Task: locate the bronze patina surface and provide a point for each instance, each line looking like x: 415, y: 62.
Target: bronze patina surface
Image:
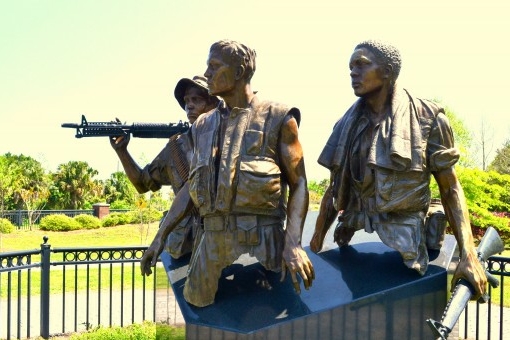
x: 246, y: 162
x: 171, y: 165
x: 381, y: 156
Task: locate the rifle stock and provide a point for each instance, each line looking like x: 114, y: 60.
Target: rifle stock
x: 115, y: 129
x: 490, y: 244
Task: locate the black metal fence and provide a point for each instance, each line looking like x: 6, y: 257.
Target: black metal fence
x: 79, y: 288
x: 489, y: 320
x: 20, y: 218
x: 86, y: 287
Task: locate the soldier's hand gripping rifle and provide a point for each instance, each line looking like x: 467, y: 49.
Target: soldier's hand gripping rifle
x: 490, y: 244
x: 115, y: 129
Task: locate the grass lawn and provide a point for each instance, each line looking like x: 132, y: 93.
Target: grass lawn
x: 125, y: 235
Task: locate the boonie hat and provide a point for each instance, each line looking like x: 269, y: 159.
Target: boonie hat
x: 184, y: 83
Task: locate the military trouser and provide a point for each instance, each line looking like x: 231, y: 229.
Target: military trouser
x: 224, y: 239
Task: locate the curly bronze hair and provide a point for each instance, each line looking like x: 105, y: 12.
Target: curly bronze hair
x: 384, y: 53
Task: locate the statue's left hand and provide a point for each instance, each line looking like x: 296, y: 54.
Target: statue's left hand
x: 317, y: 241
x: 296, y: 261
x: 150, y: 256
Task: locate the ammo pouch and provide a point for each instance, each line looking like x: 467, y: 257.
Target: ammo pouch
x: 247, y: 232
x: 435, y: 225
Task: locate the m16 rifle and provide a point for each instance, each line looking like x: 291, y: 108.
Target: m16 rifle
x: 116, y: 129
x: 490, y: 244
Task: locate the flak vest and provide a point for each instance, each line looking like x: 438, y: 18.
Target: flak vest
x: 246, y: 179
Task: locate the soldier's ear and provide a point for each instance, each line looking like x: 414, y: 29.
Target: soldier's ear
x: 240, y: 72
x: 388, y: 71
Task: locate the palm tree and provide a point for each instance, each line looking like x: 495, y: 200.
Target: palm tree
x: 75, y: 183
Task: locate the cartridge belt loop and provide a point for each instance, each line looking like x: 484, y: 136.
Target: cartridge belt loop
x: 215, y: 223
x: 265, y: 220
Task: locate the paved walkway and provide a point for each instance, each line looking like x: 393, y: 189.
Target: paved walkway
x: 167, y: 308
x: 483, y: 323
x: 98, y: 311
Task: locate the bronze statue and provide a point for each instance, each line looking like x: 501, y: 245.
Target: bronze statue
x: 171, y: 166
x: 381, y: 155
x: 246, y: 155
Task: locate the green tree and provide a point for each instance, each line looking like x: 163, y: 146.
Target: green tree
x: 23, y: 184
x: 34, y: 200
x: 501, y: 162
x: 484, y: 138
x: 502, y: 181
x: 96, y: 194
x: 158, y: 202
x: 33, y: 193
x: 119, y: 191
x: 463, y: 138
x: 318, y: 187
x: 485, y: 193
x: 6, y: 184
x: 74, y: 185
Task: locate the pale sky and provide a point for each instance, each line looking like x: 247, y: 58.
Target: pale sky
x: 107, y: 59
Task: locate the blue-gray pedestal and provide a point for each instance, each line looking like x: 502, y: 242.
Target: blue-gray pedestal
x: 363, y: 291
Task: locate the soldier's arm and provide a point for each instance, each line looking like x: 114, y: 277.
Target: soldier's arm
x: 456, y: 211
x: 181, y: 207
x: 132, y: 169
x: 327, y: 215
x: 296, y: 260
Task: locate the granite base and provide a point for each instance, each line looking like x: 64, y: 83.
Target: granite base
x: 363, y: 291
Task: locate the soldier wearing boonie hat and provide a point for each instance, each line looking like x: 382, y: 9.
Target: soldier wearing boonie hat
x: 171, y: 166
x: 197, y: 81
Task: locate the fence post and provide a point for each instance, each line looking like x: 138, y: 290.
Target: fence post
x: 45, y: 289
x: 19, y: 219
x: 101, y: 210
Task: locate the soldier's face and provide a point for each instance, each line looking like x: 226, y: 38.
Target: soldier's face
x: 194, y: 103
x: 367, y: 76
x: 220, y: 74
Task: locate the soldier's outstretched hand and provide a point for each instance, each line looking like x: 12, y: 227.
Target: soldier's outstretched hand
x: 150, y: 257
x: 296, y: 262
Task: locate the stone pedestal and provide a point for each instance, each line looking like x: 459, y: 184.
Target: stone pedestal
x: 363, y: 291
x: 101, y: 210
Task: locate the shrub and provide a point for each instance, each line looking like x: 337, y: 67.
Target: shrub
x: 6, y: 226
x: 165, y: 331
x: 121, y: 204
x: 132, y: 217
x: 110, y: 220
x: 88, y: 221
x: 58, y: 223
x: 117, y: 218
x: 145, y: 216
x: 125, y: 218
x: 144, y: 331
